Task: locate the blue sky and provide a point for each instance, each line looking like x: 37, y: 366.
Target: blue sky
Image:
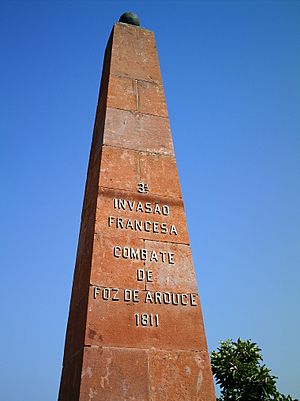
x: 232, y: 82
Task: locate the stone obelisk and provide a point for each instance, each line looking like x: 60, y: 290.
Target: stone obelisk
x: 135, y: 330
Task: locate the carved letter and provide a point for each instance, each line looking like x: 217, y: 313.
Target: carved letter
x: 173, y: 230
x: 148, y: 297
x: 116, y: 250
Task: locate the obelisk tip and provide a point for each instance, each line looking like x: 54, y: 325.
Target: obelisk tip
x: 130, y: 18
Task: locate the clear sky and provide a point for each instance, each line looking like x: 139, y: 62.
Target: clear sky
x: 231, y: 71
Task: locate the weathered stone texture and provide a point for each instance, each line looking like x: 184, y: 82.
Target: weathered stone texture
x: 135, y: 330
x: 114, y: 374
x: 142, y: 132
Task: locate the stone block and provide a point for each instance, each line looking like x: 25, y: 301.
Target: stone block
x: 114, y: 374
x: 114, y: 322
x: 124, y: 169
x: 139, y: 224
x: 137, y: 96
x: 119, y: 168
x: 177, y: 276
x: 137, y: 131
x: 122, y: 93
x: 109, y: 270
x: 178, y: 375
x: 151, y: 99
x: 134, y: 53
x: 160, y: 172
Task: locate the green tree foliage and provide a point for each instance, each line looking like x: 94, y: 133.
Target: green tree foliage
x: 242, y: 376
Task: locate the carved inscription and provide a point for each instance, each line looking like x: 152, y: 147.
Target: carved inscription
x: 146, y: 320
x: 142, y: 207
x: 150, y: 297
x: 142, y: 188
x: 140, y: 225
x: 144, y: 275
x: 143, y: 254
x: 134, y: 296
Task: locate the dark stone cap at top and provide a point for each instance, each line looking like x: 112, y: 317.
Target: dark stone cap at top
x: 130, y: 18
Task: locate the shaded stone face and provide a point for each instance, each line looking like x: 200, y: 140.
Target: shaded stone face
x: 135, y: 329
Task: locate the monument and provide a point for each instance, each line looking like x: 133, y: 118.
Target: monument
x: 135, y: 330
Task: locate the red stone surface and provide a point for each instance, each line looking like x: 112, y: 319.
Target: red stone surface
x: 143, y: 375
x: 134, y: 54
x: 139, y: 96
x: 107, y: 319
x: 143, y: 132
x: 109, y: 271
x: 161, y: 174
x: 180, y: 376
x: 135, y: 330
x: 114, y: 374
x: 178, y: 276
x: 105, y: 209
x: 124, y: 168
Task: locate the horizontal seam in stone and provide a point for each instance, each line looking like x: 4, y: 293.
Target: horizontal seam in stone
x: 138, y: 112
x: 145, y: 239
x: 127, y: 190
x: 144, y: 349
x: 154, y: 240
x: 171, y: 242
x: 153, y: 82
x: 134, y: 303
x: 142, y: 151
